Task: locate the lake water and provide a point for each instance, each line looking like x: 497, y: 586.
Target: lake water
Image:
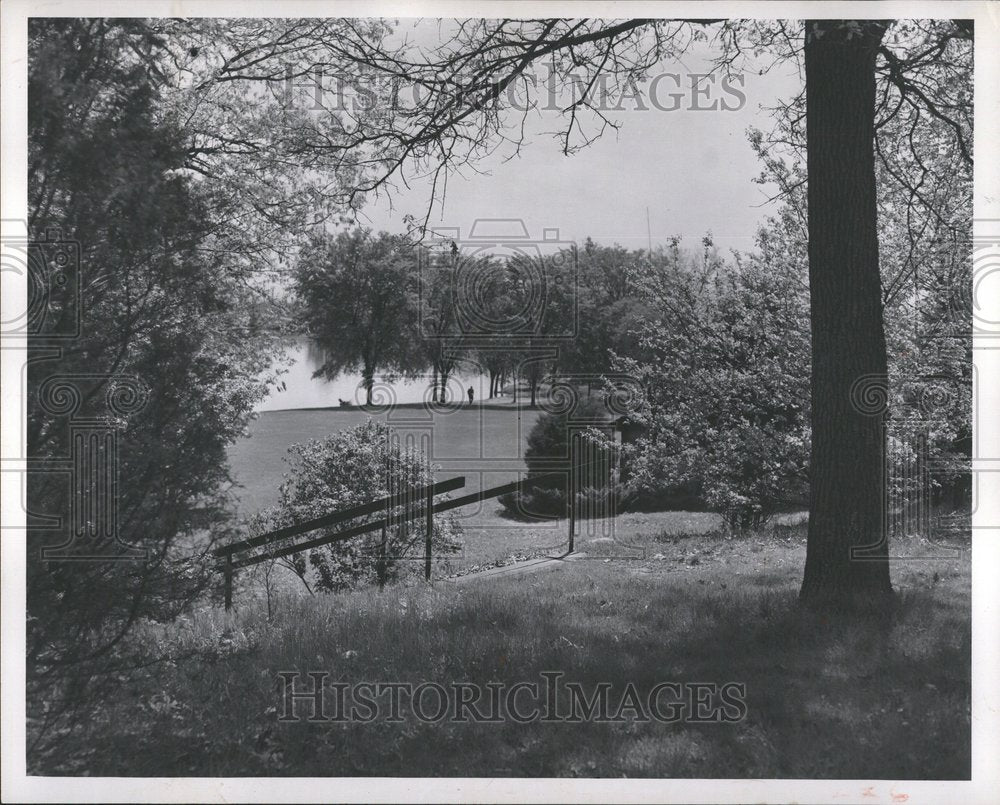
x: 302, y: 390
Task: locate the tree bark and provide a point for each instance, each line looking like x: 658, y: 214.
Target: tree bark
x: 847, y: 552
x: 368, y: 377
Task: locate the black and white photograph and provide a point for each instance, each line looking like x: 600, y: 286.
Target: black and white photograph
x: 501, y: 402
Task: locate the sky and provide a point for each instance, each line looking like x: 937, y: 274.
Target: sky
x: 693, y: 169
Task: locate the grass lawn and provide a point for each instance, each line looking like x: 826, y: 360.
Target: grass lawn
x: 491, y: 539
x: 660, y: 598
x: 824, y: 698
x: 485, y: 443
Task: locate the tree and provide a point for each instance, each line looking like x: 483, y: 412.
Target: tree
x: 847, y: 552
x: 549, y: 281
x: 849, y: 442
x: 611, y: 310
x: 588, y: 352
x: 929, y: 383
x: 169, y: 357
x: 438, y: 336
x: 354, y: 288
x: 841, y: 59
x: 496, y: 306
x: 478, y: 74
x: 925, y: 195
x: 549, y: 452
x: 725, y: 368
x: 242, y: 90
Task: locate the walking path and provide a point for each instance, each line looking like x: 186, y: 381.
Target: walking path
x: 537, y: 565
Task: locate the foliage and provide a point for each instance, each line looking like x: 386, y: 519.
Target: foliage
x: 548, y: 451
x: 355, y: 290
x: 726, y: 404
x: 244, y: 89
x: 346, y: 469
x: 925, y: 218
x: 924, y: 201
x: 436, y: 305
x: 924, y: 181
x: 171, y: 347
x: 610, y: 310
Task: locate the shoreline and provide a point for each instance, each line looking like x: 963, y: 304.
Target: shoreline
x: 380, y: 409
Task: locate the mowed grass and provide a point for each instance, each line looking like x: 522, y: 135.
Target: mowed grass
x: 484, y: 443
x: 490, y: 538
x: 662, y: 597
x: 825, y: 698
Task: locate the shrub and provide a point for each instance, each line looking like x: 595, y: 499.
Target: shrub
x: 726, y: 380
x: 347, y: 469
x: 548, y: 451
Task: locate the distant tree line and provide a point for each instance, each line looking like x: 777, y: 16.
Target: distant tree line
x: 719, y: 347
x: 376, y: 303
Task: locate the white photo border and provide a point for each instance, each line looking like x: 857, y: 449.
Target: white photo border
x: 18, y: 787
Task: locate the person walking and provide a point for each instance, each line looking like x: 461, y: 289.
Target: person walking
x: 471, y: 395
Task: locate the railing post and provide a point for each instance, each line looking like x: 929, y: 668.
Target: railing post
x: 228, y: 584
x: 380, y: 560
x: 430, y: 532
x: 572, y: 490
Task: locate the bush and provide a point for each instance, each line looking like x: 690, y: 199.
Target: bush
x: 726, y: 380
x: 548, y: 451
x: 347, y: 469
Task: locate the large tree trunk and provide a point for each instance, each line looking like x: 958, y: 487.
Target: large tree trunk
x: 847, y: 555
x: 368, y: 377
x: 444, y: 384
